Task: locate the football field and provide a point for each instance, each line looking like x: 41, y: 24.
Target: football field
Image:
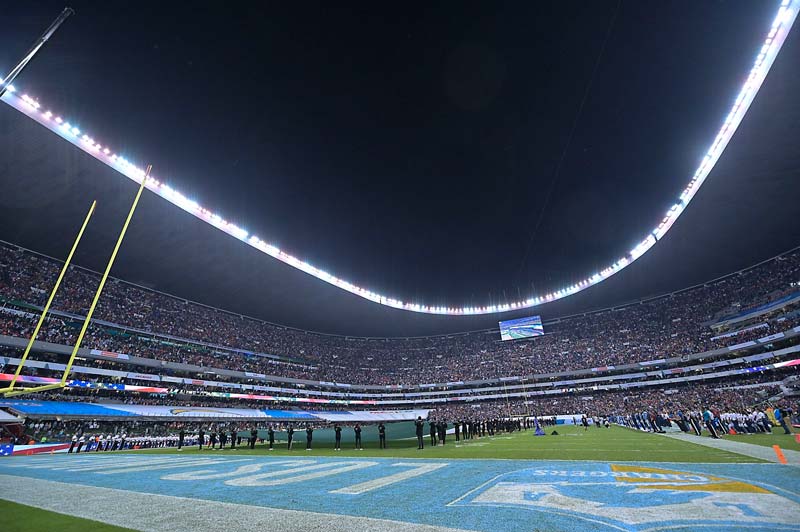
x: 603, y: 479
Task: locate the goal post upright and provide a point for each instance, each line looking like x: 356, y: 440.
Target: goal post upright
x: 105, y: 277
x: 87, y: 320
x: 50, y: 299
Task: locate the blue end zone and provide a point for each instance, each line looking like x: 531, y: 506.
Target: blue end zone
x: 487, y: 495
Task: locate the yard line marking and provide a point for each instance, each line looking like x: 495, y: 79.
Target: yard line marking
x: 473, y: 490
x: 188, y: 463
x: 320, y: 470
x: 109, y: 463
x: 417, y: 470
x: 209, y: 474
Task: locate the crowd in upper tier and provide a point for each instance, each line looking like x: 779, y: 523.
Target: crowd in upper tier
x: 665, y: 327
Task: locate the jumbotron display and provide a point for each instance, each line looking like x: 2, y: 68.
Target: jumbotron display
x: 521, y: 328
x: 765, y: 57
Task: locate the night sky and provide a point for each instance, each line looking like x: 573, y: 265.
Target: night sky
x: 450, y: 153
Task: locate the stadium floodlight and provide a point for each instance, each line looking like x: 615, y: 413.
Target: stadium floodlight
x: 777, y: 33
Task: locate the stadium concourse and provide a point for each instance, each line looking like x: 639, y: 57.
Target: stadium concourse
x: 628, y: 392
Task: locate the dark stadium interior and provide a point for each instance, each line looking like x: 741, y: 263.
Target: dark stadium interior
x: 441, y: 206
x: 301, y: 328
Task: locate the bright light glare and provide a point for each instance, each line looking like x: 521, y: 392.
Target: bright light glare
x: 777, y: 33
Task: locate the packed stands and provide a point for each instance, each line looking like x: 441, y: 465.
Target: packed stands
x: 672, y: 325
x: 149, y: 348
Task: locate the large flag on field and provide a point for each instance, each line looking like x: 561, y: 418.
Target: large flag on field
x: 6, y: 449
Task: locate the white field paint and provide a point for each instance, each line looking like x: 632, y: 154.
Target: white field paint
x: 310, y: 472
x: 209, y: 474
x: 49, y: 464
x: 416, y: 470
x: 102, y: 464
x: 175, y: 464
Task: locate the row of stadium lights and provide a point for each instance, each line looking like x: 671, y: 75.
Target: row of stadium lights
x: 777, y: 34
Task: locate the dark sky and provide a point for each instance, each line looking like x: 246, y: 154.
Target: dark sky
x: 454, y: 153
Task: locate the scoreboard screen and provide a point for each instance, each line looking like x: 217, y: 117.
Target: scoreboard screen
x: 521, y: 328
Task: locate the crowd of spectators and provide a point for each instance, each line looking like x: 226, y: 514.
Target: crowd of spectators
x: 725, y: 400
x: 674, y: 325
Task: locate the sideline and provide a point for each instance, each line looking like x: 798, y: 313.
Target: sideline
x: 748, y: 449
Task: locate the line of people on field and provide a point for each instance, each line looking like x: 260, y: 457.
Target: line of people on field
x: 120, y: 442
x: 467, y: 429
x: 711, y: 420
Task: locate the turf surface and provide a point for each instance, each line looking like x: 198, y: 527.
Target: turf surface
x: 785, y: 441
x: 515, y: 479
x: 572, y: 443
x: 21, y: 518
x: 153, y: 492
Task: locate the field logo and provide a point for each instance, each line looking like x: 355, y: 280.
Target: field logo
x: 640, y: 498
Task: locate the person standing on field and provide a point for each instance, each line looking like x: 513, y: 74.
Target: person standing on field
x: 357, y: 430
x: 420, y: 426
x: 382, y: 435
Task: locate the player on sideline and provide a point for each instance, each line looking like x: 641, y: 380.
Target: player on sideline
x: 420, y: 433
x: 781, y: 413
x: 357, y: 430
x: 708, y: 419
x: 337, y: 429
x: 382, y: 435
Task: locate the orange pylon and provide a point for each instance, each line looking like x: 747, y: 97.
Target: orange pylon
x: 779, y: 453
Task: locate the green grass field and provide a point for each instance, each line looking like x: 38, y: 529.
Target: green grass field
x: 572, y: 443
x: 20, y: 518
